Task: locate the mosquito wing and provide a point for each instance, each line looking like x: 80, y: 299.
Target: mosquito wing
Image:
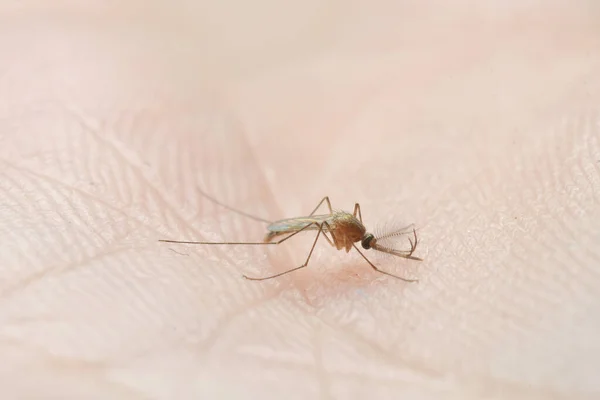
x: 295, y: 224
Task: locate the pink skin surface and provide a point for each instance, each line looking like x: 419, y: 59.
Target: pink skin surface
x: 477, y: 121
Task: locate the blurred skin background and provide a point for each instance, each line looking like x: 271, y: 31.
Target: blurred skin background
x: 477, y: 121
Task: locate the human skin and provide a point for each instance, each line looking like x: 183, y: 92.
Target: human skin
x: 478, y: 124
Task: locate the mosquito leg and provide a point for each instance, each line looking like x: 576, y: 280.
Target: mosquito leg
x: 383, y: 272
x: 328, y: 229
x: 325, y: 199
x: 357, y: 208
x: 297, y: 268
x: 330, y: 241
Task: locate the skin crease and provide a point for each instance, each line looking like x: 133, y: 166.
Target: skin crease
x: 478, y: 122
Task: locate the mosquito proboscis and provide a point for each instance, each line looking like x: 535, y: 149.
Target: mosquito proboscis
x: 345, y: 229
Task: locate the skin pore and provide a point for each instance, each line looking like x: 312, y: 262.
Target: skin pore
x: 477, y: 124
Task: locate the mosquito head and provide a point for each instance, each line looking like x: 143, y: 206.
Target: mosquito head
x: 367, y: 240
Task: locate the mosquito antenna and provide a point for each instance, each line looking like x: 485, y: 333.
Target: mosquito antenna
x: 379, y: 243
x: 245, y: 214
x: 384, y: 232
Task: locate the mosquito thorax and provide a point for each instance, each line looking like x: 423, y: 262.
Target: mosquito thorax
x: 366, y: 241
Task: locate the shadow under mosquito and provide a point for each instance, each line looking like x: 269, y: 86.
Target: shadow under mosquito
x: 177, y: 252
x: 355, y: 272
x: 334, y: 281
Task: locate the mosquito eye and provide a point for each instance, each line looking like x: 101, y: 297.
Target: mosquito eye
x: 366, y: 241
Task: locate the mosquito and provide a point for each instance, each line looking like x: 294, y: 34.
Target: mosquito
x: 344, y: 228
